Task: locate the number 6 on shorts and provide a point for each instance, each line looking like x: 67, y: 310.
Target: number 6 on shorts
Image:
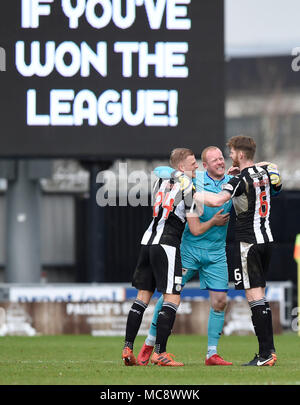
x: 237, y: 277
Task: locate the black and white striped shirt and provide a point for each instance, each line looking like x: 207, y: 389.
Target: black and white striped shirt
x: 170, y: 206
x: 251, y: 197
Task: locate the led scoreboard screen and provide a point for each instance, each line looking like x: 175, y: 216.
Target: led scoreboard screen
x: 110, y: 78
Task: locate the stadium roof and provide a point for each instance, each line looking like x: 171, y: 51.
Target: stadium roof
x: 261, y: 27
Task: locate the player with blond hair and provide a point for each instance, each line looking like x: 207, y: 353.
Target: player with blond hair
x: 159, y: 264
x: 204, y: 255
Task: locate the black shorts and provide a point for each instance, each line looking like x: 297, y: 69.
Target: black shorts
x: 252, y: 263
x: 159, y: 266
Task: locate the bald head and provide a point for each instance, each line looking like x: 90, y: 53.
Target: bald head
x: 213, y: 161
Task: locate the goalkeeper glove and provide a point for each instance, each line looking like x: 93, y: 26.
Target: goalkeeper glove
x: 274, y: 175
x: 186, y: 183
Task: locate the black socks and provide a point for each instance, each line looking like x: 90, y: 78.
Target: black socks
x: 165, y: 322
x: 134, y: 321
x: 262, y: 322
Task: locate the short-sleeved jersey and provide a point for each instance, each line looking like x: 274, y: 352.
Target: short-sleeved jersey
x: 171, y: 204
x: 215, y: 237
x: 251, y: 197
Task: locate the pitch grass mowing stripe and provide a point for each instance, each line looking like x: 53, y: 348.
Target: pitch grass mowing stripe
x: 87, y: 360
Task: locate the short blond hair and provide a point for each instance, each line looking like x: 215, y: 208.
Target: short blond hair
x: 178, y: 155
x: 205, y: 150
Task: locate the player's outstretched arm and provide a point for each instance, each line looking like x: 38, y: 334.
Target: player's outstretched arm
x: 264, y: 164
x: 234, y: 171
x: 211, y: 199
x: 163, y: 172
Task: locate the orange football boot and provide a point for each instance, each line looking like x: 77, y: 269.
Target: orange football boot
x: 165, y: 359
x: 144, y: 355
x: 128, y: 357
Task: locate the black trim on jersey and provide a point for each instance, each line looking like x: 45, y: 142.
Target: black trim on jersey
x: 155, y: 223
x: 160, y: 212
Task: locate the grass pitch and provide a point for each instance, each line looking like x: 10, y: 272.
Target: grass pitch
x: 87, y: 360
